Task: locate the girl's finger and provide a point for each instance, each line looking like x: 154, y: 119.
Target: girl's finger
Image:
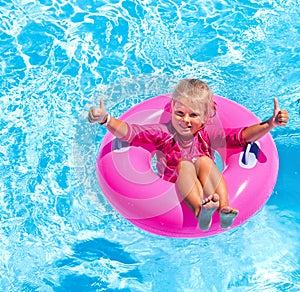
x: 276, y: 105
x: 101, y: 102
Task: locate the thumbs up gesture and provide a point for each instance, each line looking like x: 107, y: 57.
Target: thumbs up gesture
x: 280, y: 117
x: 98, y: 114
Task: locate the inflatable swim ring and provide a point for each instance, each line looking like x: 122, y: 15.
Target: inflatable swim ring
x: 138, y: 193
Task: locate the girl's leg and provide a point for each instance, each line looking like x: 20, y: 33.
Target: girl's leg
x: 211, y: 179
x: 190, y: 189
x: 213, y: 182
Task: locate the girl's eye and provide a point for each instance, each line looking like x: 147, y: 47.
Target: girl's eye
x: 194, y: 115
x: 179, y: 113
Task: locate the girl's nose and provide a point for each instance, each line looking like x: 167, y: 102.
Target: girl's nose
x: 186, y: 118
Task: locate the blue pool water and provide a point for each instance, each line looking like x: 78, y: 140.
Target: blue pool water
x: 57, y: 231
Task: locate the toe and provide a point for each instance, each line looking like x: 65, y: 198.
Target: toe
x: 229, y: 210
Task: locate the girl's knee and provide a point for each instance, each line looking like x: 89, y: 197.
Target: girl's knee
x: 185, y: 165
x: 204, y: 160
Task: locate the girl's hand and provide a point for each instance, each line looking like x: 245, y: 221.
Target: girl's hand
x: 98, y: 114
x: 280, y: 117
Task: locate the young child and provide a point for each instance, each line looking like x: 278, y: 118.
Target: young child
x: 185, y: 147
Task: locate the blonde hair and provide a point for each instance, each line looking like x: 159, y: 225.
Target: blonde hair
x: 197, y: 95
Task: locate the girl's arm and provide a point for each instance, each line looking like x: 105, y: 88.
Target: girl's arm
x: 99, y: 114
x: 255, y: 132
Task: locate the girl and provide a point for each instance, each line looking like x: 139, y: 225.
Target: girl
x: 184, y: 147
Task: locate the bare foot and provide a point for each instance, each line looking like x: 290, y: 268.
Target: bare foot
x: 227, y: 215
x: 209, y: 206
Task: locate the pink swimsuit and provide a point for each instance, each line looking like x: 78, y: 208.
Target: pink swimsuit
x: 162, y: 140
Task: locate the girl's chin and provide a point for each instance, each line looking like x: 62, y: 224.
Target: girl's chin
x: 186, y: 134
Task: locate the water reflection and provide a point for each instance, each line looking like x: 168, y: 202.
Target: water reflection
x: 95, y: 265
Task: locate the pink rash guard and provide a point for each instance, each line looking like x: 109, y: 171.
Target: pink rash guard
x: 170, y: 149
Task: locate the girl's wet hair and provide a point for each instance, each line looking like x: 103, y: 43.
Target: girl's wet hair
x: 198, y: 95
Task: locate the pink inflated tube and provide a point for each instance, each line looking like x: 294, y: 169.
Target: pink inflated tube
x: 138, y: 193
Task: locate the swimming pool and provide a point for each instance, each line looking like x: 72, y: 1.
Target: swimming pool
x: 58, y: 233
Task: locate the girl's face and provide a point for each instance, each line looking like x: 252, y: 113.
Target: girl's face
x: 185, y: 120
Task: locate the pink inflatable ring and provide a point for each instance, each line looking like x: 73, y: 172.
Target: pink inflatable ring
x: 138, y: 193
